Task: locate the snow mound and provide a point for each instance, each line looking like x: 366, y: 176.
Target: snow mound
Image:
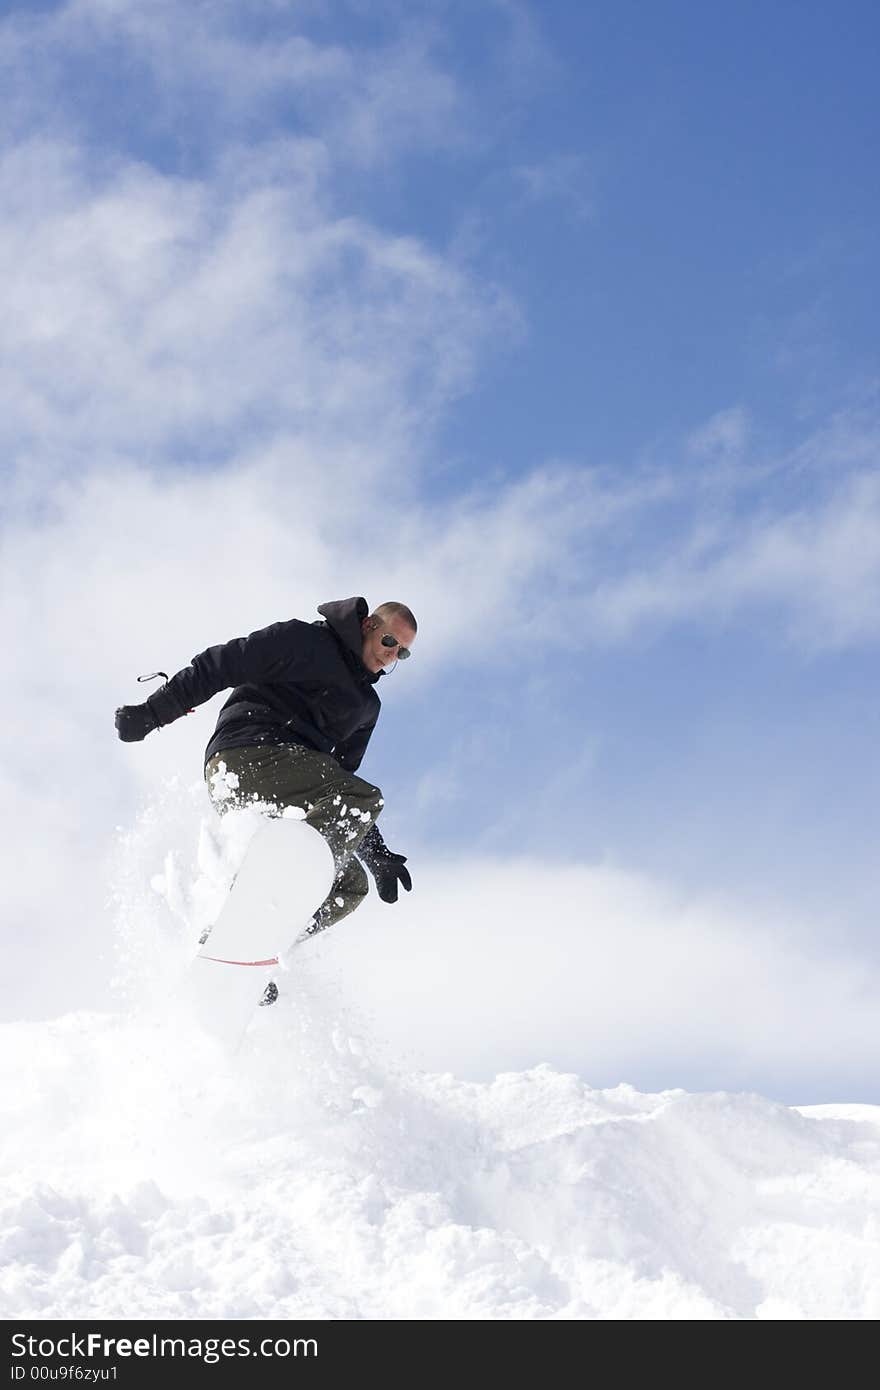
x: 310, y: 1180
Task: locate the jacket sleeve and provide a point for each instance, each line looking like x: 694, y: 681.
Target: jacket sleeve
x: 262, y: 656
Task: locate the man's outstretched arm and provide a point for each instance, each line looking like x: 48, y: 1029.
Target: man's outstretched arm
x: 260, y: 656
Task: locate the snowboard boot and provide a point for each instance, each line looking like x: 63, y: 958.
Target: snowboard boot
x: 270, y: 994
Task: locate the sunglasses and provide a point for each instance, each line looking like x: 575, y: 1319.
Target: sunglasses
x: 402, y: 652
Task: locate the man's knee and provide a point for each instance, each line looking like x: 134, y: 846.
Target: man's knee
x: 371, y: 808
x: 364, y: 793
x: 350, y: 887
x: 357, y: 800
x: 376, y: 803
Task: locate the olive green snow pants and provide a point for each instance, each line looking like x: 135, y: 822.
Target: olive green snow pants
x: 341, y: 806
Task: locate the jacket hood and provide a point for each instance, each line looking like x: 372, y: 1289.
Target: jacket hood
x: 345, y: 616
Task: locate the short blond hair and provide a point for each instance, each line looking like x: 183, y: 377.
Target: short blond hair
x: 397, y: 610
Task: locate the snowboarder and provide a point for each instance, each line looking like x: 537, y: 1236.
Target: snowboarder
x: 295, y: 728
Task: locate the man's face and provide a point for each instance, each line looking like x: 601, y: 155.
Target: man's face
x: 373, y: 654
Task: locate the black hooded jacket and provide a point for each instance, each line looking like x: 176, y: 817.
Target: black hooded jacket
x: 294, y: 682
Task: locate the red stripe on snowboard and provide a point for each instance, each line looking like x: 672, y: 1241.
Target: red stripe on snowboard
x: 220, y: 961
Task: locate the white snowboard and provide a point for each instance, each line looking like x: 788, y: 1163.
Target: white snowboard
x: 286, y: 875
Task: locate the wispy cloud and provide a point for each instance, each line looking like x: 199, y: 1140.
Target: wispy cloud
x: 724, y: 435
x: 199, y: 75
x: 796, y: 537
x: 176, y: 319
x: 562, y: 179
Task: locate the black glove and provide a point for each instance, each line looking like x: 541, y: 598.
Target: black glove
x: 134, y: 722
x: 387, y: 868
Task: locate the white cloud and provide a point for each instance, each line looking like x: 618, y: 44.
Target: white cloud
x: 822, y: 563
x: 170, y: 319
x: 495, y: 965
x: 209, y: 72
x: 811, y: 566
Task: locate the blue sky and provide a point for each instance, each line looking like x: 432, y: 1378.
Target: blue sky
x: 557, y: 322
x: 684, y: 208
